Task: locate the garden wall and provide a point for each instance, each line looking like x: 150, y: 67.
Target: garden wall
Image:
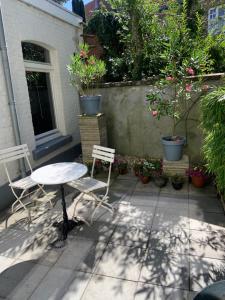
x: 131, y: 128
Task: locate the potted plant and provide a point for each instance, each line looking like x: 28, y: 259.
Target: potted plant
x: 145, y: 172
x: 177, y: 181
x: 84, y: 71
x: 198, y: 176
x: 184, y: 60
x: 122, y: 165
x: 136, y: 165
x: 160, y: 179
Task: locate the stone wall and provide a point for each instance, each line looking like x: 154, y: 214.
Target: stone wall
x: 131, y: 128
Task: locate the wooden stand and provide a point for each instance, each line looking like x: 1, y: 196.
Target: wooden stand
x: 92, y: 132
x: 176, y: 167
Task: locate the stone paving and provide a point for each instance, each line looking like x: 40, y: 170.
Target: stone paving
x: 159, y: 244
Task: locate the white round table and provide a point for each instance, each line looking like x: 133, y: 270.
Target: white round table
x: 59, y: 174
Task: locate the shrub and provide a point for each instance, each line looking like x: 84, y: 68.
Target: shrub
x: 213, y: 120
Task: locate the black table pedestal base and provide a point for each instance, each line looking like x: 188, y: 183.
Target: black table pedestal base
x: 66, y: 225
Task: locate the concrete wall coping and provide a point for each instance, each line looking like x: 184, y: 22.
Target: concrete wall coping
x: 152, y: 80
x: 56, y: 10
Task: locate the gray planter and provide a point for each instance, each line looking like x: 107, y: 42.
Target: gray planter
x: 173, y: 150
x: 90, y: 105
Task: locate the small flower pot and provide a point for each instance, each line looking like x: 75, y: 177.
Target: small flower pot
x: 160, y: 181
x: 198, y: 181
x: 144, y: 179
x: 177, y: 185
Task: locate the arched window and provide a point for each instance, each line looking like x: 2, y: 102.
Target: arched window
x: 38, y: 74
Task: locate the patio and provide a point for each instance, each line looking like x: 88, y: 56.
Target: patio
x: 159, y: 244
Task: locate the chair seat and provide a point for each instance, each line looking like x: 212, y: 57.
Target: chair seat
x: 87, y: 184
x: 23, y: 183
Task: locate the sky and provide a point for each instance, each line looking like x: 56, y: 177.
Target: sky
x: 68, y: 4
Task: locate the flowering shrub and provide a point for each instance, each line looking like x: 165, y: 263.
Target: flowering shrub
x: 85, y: 69
x: 186, y: 58
x: 197, y: 171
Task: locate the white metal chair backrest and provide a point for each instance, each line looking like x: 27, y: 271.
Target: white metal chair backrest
x: 105, y: 154
x: 12, y: 154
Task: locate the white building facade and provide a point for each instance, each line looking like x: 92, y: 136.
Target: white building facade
x: 40, y: 36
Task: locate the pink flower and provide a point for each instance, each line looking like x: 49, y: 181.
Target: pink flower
x: 190, y: 71
x: 154, y: 113
x: 170, y: 78
x: 188, y: 88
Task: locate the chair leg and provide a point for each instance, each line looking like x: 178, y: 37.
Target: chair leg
x: 78, y: 201
x: 100, y: 202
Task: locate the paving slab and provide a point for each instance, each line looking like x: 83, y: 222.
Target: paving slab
x: 165, y: 269
x: 154, y: 292
x: 121, y: 262
x: 205, y: 271
x: 102, y: 288
x: 206, y: 221
x: 147, y: 188
x: 143, y: 198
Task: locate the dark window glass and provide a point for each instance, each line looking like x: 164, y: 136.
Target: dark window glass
x: 42, y: 111
x: 35, y: 53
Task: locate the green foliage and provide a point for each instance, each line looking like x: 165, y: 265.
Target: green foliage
x: 213, y: 120
x: 108, y: 25
x: 184, y: 55
x: 84, y: 69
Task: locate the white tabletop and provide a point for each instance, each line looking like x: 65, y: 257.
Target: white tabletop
x: 59, y: 173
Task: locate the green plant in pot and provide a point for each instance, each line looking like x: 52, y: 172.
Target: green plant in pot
x: 177, y: 181
x: 85, y: 70
x: 145, y: 171
x: 160, y: 179
x: 198, y: 175
x: 186, y: 57
x: 122, y: 165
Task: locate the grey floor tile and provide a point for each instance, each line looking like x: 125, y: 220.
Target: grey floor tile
x: 172, y: 241
x: 206, y: 221
x: 173, y: 203
x: 205, y: 271
x: 142, y: 198
x: 169, y: 191
x: 102, y: 288
x: 5, y: 263
x: 81, y: 255
x: 209, y: 191
x: 164, y: 269
x: 154, y: 292
x: 99, y: 231
x: 138, y: 216
x: 17, y: 277
x: 208, y: 243
x: 205, y: 204
x: 54, y: 285
x: 76, y: 287
x: 121, y: 262
x: 170, y: 218
x: 27, y: 285
x: 13, y: 242
x: 126, y: 185
x: 119, y: 195
x: 191, y: 295
x: 130, y: 236
x: 147, y: 188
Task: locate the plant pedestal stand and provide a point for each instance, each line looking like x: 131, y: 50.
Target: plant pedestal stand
x: 93, y: 132
x: 176, y: 167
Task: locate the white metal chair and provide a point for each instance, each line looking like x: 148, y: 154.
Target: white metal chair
x: 88, y: 185
x: 26, y: 185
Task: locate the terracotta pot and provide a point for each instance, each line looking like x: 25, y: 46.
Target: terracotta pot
x: 144, y: 179
x: 198, y: 181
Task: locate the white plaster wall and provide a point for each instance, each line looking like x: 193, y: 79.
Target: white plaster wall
x: 26, y: 20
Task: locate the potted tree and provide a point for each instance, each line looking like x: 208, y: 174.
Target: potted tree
x: 185, y: 58
x: 84, y: 71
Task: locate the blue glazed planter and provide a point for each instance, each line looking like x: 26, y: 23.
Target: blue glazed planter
x: 173, y: 150
x: 90, y: 105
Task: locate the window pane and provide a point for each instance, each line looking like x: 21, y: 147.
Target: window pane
x: 42, y: 110
x: 35, y: 53
x: 221, y: 12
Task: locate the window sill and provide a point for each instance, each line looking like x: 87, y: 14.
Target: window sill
x: 50, y: 146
